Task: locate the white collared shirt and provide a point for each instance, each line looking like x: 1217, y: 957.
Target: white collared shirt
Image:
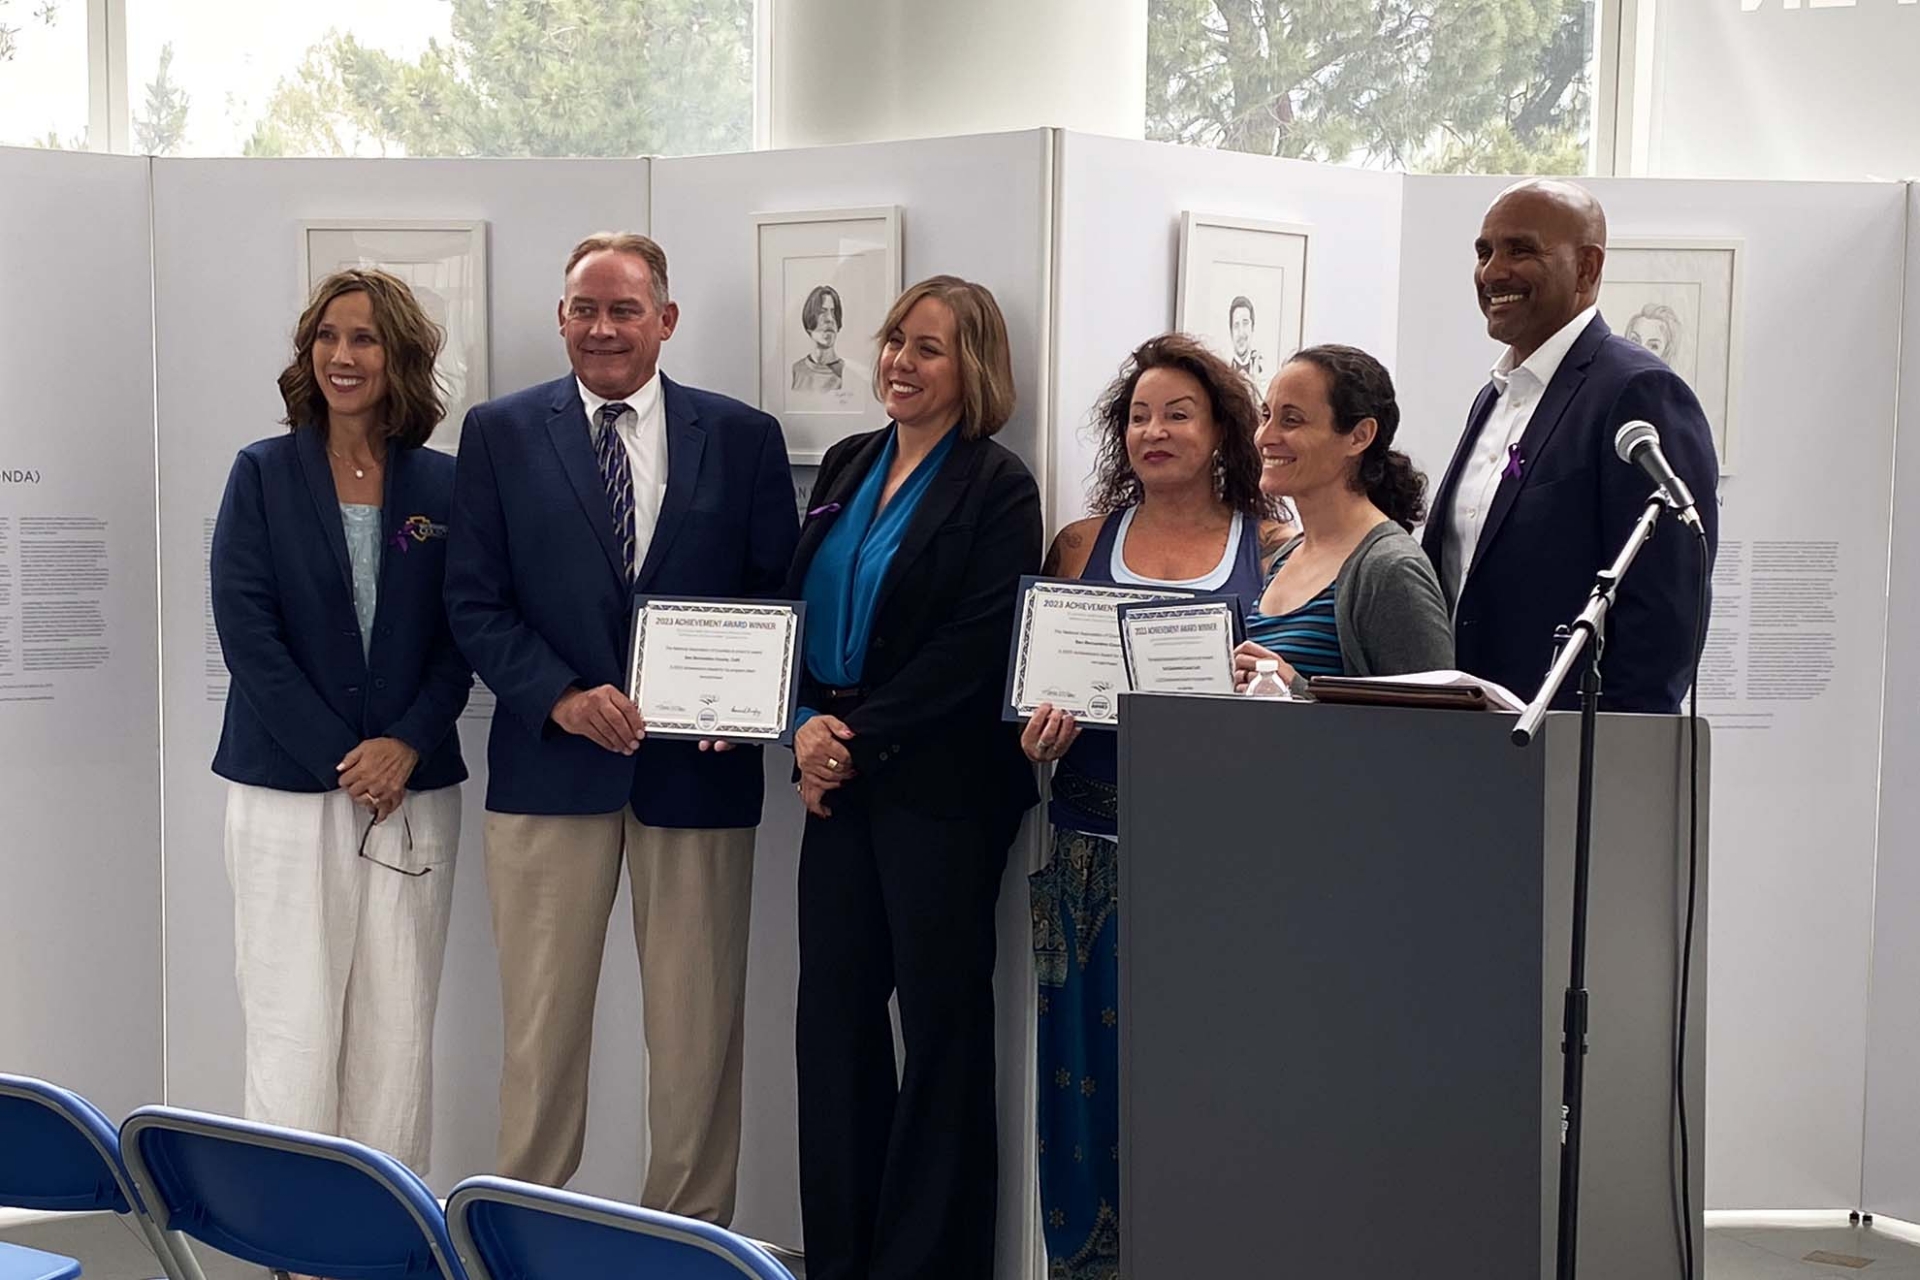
x: 1520, y: 388
x: 643, y: 430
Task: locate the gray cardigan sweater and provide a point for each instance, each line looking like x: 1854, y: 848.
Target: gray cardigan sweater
x: 1388, y: 608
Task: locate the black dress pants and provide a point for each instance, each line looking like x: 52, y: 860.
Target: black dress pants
x: 898, y: 1182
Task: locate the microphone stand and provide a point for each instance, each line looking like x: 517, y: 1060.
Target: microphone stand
x: 1581, y: 643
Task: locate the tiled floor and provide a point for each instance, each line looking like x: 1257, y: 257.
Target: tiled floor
x: 1782, y: 1253
x: 112, y: 1252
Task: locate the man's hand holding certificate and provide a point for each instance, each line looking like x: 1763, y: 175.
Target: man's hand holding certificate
x: 715, y: 669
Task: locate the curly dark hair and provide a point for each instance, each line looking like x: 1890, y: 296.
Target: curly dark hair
x: 1359, y: 387
x: 415, y: 403
x: 1235, y: 408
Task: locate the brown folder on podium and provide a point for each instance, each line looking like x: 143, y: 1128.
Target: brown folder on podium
x: 1449, y: 690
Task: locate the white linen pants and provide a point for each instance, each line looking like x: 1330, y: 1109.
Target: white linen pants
x: 338, y: 959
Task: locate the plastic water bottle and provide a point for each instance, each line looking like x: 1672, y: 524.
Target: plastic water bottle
x: 1266, y: 682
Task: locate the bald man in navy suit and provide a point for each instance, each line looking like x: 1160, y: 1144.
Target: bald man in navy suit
x: 1535, y: 502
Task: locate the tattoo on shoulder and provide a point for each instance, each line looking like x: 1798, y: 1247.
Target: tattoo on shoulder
x: 1069, y: 539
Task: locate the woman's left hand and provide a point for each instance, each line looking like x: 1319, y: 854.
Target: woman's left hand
x: 814, y: 796
x: 1249, y: 653
x: 375, y: 773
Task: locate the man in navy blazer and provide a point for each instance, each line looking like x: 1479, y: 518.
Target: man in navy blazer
x: 571, y: 498
x: 1536, y: 502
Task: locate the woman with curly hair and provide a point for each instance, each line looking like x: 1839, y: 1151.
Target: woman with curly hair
x: 339, y: 749
x: 1177, y: 503
x: 1354, y: 594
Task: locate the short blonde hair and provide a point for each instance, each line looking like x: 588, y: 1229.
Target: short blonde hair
x: 642, y: 247
x: 986, y: 357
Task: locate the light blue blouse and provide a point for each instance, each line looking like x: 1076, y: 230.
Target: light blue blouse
x: 843, y: 583
x: 362, y: 524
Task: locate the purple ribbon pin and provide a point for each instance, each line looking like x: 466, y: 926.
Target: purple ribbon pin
x: 1516, y: 463
x: 829, y: 509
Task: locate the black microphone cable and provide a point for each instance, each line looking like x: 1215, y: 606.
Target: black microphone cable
x: 1693, y: 887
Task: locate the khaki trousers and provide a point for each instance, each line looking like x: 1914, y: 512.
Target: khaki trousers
x: 552, y: 881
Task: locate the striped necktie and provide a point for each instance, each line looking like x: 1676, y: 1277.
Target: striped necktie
x: 616, y: 472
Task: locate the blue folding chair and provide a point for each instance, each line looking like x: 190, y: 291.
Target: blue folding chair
x: 507, y: 1230
x: 59, y: 1153
x: 17, y: 1262
x: 287, y: 1200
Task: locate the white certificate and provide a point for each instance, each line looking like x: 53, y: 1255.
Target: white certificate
x: 1180, y: 646
x: 715, y: 668
x: 1066, y: 648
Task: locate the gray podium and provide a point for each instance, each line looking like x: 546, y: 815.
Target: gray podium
x: 1344, y: 946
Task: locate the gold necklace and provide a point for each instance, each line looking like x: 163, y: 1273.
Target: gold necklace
x: 358, y: 473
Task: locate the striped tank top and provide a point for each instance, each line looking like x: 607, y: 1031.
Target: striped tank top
x: 1308, y: 637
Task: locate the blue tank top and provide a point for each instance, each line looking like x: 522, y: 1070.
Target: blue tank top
x: 1085, y: 782
x: 1307, y: 637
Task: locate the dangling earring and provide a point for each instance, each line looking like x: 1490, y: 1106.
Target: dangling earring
x: 1219, y: 475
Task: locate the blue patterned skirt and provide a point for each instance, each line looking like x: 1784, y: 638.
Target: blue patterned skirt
x: 1076, y: 951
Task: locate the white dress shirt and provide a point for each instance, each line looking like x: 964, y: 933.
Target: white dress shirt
x: 643, y: 430
x: 1519, y: 388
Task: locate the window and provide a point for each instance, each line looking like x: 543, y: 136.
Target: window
x: 43, y: 73
x: 440, y: 77
x: 1497, y: 86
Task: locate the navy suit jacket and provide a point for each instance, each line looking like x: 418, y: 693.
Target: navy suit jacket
x: 1550, y: 532
x: 538, y: 598
x: 928, y: 731
x: 304, y: 693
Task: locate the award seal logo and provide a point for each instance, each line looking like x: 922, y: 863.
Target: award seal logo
x: 1100, y: 705
x: 707, y: 717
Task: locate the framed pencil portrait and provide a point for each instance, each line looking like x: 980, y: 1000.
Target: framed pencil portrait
x: 444, y: 262
x: 1243, y: 290
x: 1680, y: 299
x: 824, y: 279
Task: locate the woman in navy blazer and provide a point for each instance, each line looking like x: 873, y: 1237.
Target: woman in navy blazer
x: 339, y: 746
x: 910, y: 564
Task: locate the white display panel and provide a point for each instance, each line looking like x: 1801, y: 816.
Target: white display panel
x: 976, y: 207
x: 1792, y: 676
x: 227, y: 293
x: 1891, y: 1181
x: 1120, y: 205
x: 79, y: 712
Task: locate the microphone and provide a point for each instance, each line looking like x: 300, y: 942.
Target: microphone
x: 1638, y: 443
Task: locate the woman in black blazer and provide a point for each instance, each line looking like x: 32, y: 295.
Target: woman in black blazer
x: 910, y: 563
x: 339, y: 747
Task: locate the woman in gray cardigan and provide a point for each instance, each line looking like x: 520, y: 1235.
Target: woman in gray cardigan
x: 1354, y: 595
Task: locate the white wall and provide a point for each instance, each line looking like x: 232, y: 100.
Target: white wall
x: 1892, y: 1162
x: 1118, y: 236
x: 227, y: 293
x: 975, y: 207
x: 80, y: 746
x: 1785, y: 89
x: 1794, y: 783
